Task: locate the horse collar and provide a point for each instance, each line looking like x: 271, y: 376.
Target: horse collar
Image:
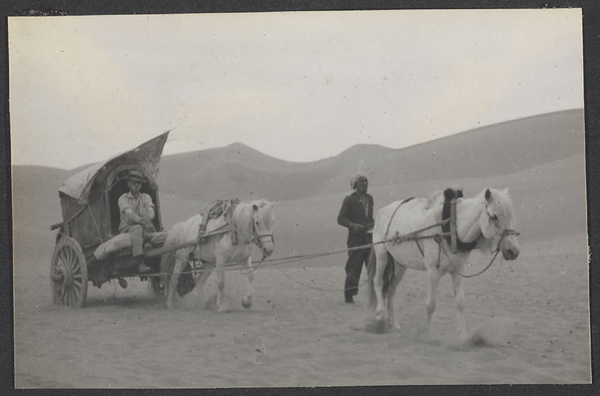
x: 450, y: 195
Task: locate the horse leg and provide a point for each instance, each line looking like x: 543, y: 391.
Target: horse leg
x: 200, y: 281
x: 172, y: 289
x: 166, y: 262
x: 459, y: 296
x: 381, y: 264
x: 399, y: 274
x: 247, y: 266
x: 434, y: 280
x: 221, y: 304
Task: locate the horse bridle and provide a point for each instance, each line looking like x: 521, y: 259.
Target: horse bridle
x: 258, y: 238
x: 505, y: 233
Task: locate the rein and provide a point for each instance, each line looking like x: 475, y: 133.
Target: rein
x: 397, y: 238
x: 504, y: 234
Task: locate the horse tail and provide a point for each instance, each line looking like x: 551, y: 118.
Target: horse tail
x: 388, y: 276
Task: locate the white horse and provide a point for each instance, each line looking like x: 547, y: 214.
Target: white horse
x: 485, y: 222
x: 251, y: 223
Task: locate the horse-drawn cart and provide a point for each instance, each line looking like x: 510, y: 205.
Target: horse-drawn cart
x: 89, y: 247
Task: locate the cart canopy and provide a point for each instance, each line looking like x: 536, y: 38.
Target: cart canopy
x: 146, y: 156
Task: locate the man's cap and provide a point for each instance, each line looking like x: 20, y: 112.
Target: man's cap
x: 355, y: 178
x: 135, y: 175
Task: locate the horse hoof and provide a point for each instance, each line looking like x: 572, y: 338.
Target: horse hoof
x: 223, y: 308
x: 380, y: 317
x: 377, y: 327
x: 247, y: 302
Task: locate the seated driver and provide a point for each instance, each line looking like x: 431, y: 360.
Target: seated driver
x: 137, y: 211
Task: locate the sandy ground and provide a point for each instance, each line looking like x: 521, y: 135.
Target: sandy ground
x: 530, y: 317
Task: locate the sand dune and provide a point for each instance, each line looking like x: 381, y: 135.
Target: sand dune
x: 529, y: 319
x: 501, y: 149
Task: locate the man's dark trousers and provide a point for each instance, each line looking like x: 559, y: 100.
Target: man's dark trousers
x: 356, y: 258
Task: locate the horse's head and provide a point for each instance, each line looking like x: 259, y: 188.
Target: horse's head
x: 264, y: 221
x: 497, y: 223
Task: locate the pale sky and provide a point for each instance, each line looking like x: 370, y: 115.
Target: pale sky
x: 299, y: 86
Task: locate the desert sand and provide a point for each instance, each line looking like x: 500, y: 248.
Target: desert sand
x: 529, y: 320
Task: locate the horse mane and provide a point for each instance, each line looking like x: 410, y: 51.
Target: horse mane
x: 503, y: 205
x: 437, y: 197
x: 243, y: 219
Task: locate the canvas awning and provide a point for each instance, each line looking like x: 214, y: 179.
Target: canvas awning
x: 146, y: 156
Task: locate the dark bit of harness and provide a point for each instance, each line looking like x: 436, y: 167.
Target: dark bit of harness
x: 448, y: 224
x: 450, y: 195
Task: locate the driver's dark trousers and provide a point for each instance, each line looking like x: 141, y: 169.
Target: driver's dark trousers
x: 354, y: 265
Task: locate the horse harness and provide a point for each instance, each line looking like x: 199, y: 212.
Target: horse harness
x: 449, y: 233
x: 220, y: 207
x: 449, y: 222
x: 414, y: 236
x: 225, y: 208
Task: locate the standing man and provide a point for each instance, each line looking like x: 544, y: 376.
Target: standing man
x: 137, y: 212
x: 356, y: 214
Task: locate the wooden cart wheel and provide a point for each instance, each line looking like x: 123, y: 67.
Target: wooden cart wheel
x: 68, y: 273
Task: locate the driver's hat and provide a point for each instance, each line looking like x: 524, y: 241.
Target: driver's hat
x: 135, y: 175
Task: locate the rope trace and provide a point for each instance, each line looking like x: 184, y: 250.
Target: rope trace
x: 296, y: 258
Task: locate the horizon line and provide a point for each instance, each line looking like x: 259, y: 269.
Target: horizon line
x: 311, y: 161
